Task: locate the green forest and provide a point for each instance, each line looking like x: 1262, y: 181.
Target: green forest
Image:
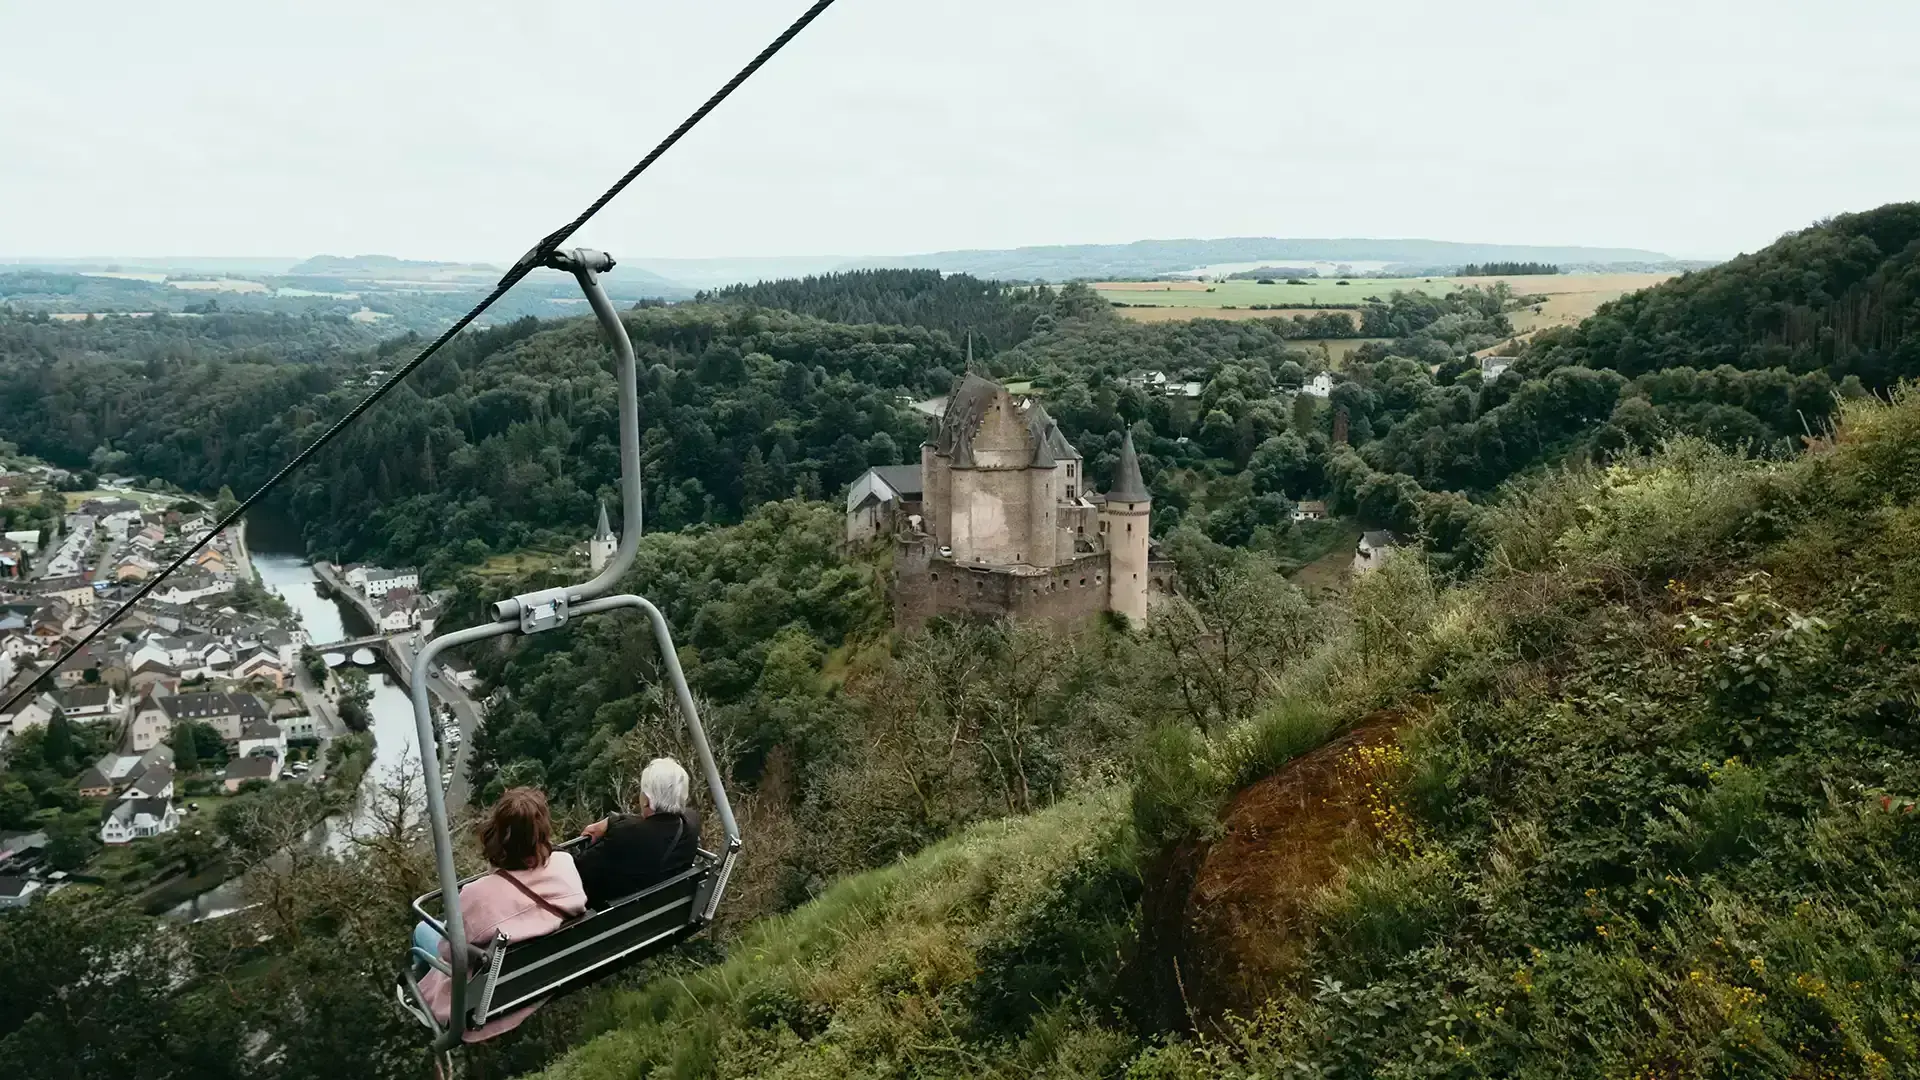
x: 1615, y: 773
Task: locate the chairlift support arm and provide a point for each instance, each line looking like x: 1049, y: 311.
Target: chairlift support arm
x: 546, y: 609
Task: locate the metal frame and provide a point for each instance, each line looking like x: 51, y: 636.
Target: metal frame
x: 546, y: 609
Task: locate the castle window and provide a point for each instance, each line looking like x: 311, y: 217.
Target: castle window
x: 1098, y: 578
x: 1129, y: 527
x: 1083, y: 583
x: 936, y: 577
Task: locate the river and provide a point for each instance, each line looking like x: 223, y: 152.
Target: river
x: 285, y: 570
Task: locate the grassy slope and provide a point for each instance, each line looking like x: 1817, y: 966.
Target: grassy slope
x: 900, y: 969
x: 1658, y: 812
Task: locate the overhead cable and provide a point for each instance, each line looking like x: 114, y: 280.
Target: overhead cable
x: 526, y: 265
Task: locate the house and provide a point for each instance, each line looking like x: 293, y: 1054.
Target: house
x: 121, y: 523
x: 292, y: 717
x: 28, y: 539
x: 149, y: 538
x: 1310, y: 510
x: 137, y: 819
x: 879, y: 498
x: 152, y: 675
x: 222, y: 712
x: 242, y: 769
x: 1320, y: 386
x: 152, y: 725
x: 1375, y: 546
x: 134, y: 568
x: 376, y: 582
x: 90, y: 704
x: 153, y: 783
x: 1492, y: 366
x: 94, y: 784
x: 13, y: 560
x: 17, y: 892
x: 261, y: 737
x: 34, y: 714
x: 262, y: 665
x: 127, y: 770
x: 186, y: 588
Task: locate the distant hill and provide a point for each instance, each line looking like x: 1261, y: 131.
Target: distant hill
x: 1142, y: 258
x: 1146, y: 258
x: 384, y: 266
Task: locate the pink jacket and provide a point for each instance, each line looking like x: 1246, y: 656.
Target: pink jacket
x: 492, y: 903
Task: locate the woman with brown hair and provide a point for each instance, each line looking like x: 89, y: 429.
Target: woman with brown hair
x: 533, y: 890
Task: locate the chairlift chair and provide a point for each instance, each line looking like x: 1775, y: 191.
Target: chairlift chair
x: 506, y: 975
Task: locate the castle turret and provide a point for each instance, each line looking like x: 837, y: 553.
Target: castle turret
x: 1124, y: 520
x: 600, y: 549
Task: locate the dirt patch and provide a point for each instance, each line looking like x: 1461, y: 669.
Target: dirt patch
x: 1283, y: 839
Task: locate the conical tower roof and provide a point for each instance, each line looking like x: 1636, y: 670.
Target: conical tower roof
x: 1127, y: 485
x: 605, y: 531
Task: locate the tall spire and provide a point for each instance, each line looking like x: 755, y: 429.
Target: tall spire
x: 970, y: 351
x: 605, y: 531
x: 1127, y: 485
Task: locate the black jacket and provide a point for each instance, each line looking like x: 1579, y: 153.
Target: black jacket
x: 637, y: 852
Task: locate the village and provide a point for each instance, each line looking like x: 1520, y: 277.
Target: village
x: 208, y: 689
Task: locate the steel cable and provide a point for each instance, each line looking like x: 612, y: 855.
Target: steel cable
x: 526, y: 265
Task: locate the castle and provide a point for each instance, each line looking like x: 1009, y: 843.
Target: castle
x: 997, y: 519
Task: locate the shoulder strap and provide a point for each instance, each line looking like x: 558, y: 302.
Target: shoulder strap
x: 679, y: 830
x: 534, y: 896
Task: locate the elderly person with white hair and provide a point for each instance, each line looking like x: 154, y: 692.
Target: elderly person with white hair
x: 631, y: 852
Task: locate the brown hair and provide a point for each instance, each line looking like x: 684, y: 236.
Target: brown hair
x: 518, y: 834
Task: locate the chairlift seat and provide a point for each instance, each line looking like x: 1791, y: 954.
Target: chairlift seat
x: 509, y: 975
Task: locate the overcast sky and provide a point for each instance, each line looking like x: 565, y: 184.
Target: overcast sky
x: 466, y: 130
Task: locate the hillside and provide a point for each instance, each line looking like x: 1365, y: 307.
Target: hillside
x: 1641, y: 802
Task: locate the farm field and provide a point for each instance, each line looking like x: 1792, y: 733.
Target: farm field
x: 1570, y: 297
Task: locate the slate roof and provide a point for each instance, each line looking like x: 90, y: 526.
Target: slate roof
x: 904, y: 479
x: 92, y: 779
x: 967, y: 407
x: 255, y: 767
x: 1127, y: 484
x: 1379, y: 538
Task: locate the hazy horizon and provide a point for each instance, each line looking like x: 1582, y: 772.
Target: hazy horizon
x: 220, y: 129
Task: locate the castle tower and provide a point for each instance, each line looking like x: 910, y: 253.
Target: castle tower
x: 600, y: 549
x: 1124, y: 520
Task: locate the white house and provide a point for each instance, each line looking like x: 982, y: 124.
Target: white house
x: 90, y: 704
x: 1492, y: 366
x: 121, y: 523
x: 34, y: 714
x: 195, y: 587
x: 17, y: 892
x: 376, y: 582
x: 138, y: 819
x: 1376, y: 546
x: 152, y: 726
x: 222, y: 712
x: 1310, y: 510
x: 28, y: 539
x: 1320, y: 386
x: 261, y: 737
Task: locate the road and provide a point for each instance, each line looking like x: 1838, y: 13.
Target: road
x: 467, y: 712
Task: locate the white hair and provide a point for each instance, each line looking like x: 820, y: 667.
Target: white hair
x: 664, y: 783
